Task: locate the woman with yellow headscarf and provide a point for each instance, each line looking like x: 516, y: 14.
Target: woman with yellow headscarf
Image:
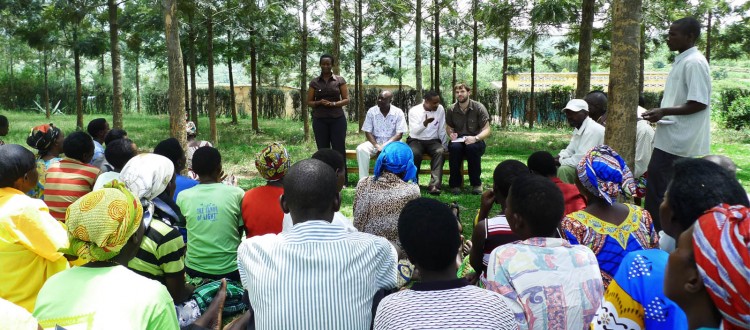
x: 105, y: 227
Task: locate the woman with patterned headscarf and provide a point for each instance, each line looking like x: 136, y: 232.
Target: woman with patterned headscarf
x: 48, y: 140
x: 105, y: 227
x: 708, y: 274
x: 637, y: 297
x: 611, y: 229
x: 29, y: 236
x: 380, y: 197
x: 261, y: 210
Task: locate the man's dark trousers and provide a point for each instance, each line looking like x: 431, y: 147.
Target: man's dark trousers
x: 473, y: 155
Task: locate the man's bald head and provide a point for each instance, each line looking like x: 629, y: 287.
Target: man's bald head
x: 723, y: 161
x: 310, y: 191
x: 384, y: 100
x: 597, y: 101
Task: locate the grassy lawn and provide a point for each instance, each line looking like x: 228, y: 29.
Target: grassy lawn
x: 238, y: 145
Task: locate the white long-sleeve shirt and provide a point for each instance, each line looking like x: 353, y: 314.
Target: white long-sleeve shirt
x: 589, y: 135
x: 644, y: 146
x: 434, y: 130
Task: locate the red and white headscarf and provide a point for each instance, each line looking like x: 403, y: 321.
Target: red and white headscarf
x: 721, y: 242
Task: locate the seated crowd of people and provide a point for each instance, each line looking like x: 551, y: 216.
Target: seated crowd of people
x: 131, y: 243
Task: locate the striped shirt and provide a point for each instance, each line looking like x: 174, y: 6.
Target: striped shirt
x: 444, y: 305
x: 315, y: 276
x: 498, y: 233
x: 67, y: 181
x: 162, y: 252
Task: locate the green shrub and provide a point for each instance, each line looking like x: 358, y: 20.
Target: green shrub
x: 738, y: 115
x: 719, y: 74
x: 721, y: 107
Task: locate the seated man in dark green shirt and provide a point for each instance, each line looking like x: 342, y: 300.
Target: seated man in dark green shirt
x: 468, y: 125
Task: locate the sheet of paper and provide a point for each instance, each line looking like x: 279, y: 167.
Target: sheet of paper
x: 459, y: 140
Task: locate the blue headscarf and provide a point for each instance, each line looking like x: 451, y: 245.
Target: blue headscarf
x: 397, y: 158
x: 604, y: 173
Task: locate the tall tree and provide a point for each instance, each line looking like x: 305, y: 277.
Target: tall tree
x: 583, y: 80
x: 303, y: 71
x: 358, y: 74
x: 474, y: 45
x: 336, y: 49
x: 623, y: 94
x: 141, y: 23
x: 192, y: 36
x: 174, y: 60
x: 544, y: 14
x: 213, y: 136
x: 114, y: 51
x: 38, y: 30
x: 418, y: 50
x: 232, y: 99
x: 497, y: 16
x: 254, y: 81
x: 72, y: 15
x: 436, y: 10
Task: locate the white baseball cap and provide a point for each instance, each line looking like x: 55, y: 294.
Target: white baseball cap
x: 576, y: 105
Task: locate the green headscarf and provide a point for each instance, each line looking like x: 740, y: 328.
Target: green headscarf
x: 102, y: 221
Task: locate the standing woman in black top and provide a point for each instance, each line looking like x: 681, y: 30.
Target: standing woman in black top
x: 327, y: 96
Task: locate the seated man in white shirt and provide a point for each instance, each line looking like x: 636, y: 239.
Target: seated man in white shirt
x: 317, y: 275
x: 427, y: 135
x: 586, y: 135
x: 384, y: 123
x: 429, y: 233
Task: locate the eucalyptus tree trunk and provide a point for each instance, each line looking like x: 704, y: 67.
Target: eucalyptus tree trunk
x: 436, y: 7
x: 532, y: 98
x: 400, y: 74
x: 642, y: 59
x: 193, y: 88
x: 708, y: 35
x: 116, y: 71
x: 303, y: 73
x: 453, y: 80
x: 474, y: 48
x: 504, y: 88
x: 583, y: 80
x: 232, y: 101
x: 336, y: 49
x: 361, y: 93
x: 138, y: 82
x: 174, y: 64
x: 254, y: 83
x: 418, y: 51
x: 46, y: 84
x: 79, y: 88
x: 432, y: 58
x: 624, y: 70
x: 185, y: 83
x: 214, y: 136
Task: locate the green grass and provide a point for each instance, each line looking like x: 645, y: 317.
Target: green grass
x: 238, y: 145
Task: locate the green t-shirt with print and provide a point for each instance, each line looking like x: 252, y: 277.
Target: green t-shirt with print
x: 213, y: 214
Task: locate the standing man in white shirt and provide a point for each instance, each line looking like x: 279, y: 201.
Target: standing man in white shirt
x: 384, y: 123
x: 683, y: 127
x: 317, y: 275
x: 427, y: 135
x: 586, y: 135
